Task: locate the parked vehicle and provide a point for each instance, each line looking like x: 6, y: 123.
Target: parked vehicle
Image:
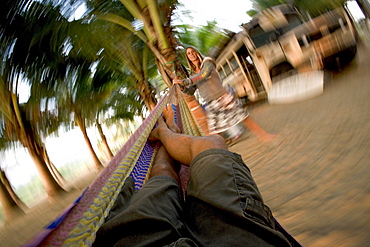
x: 278, y: 43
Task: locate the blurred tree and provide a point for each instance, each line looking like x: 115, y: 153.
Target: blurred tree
x: 99, y: 64
x: 150, y: 20
x: 123, y: 104
x: 47, y: 58
x: 316, y: 8
x: 90, y: 89
x: 21, y: 59
x: 75, y: 96
x: 204, y: 38
x: 126, y: 49
x: 264, y: 4
x: 9, y: 200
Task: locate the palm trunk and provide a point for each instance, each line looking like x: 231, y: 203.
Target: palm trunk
x: 146, y: 94
x: 162, y: 43
x: 81, y: 123
x: 104, y: 139
x: 29, y: 140
x: 12, y: 193
x: 10, y: 207
x: 51, y: 186
x: 54, y: 171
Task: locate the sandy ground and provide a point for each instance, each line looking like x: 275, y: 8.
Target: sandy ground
x: 21, y: 230
x: 314, y: 176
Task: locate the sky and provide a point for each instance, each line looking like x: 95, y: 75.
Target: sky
x: 228, y: 14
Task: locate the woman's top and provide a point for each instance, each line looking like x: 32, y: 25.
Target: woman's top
x: 207, y: 81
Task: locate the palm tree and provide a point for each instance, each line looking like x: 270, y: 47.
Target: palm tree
x: 123, y: 102
x: 25, y: 57
x: 151, y: 22
x: 131, y: 52
x: 9, y: 200
x: 93, y: 65
x: 74, y: 96
x: 207, y: 39
x: 18, y: 127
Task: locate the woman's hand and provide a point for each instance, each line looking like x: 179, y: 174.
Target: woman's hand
x: 177, y: 81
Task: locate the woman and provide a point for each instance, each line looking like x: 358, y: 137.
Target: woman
x: 223, y: 109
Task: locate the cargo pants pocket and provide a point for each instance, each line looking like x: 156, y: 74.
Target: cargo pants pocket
x: 258, y: 212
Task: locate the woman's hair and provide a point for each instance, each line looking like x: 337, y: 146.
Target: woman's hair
x: 190, y: 64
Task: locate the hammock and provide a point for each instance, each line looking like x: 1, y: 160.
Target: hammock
x: 78, y: 224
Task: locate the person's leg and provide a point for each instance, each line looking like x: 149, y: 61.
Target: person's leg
x: 181, y: 147
x: 169, y: 117
x: 153, y: 215
x: 258, y: 130
x: 164, y: 165
x: 222, y: 197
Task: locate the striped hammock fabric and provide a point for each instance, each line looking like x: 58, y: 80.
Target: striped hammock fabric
x: 78, y: 224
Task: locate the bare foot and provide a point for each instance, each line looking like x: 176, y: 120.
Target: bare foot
x: 258, y: 130
x: 154, y: 135
x: 268, y: 137
x: 169, y: 116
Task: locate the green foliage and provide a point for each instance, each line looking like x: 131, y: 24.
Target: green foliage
x: 204, y: 38
x: 264, y: 4
x: 252, y: 12
x: 316, y: 8
x: 68, y: 67
x: 97, y: 7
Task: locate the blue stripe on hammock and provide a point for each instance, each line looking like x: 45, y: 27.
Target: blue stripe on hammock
x: 142, y: 166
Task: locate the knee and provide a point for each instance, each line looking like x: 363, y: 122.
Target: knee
x: 208, y: 142
x: 217, y: 141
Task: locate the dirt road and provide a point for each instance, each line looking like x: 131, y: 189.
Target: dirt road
x: 315, y: 177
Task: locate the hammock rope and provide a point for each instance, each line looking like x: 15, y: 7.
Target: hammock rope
x: 78, y: 225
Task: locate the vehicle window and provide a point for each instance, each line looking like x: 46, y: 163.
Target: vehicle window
x: 293, y: 20
x: 234, y: 64
x: 221, y: 73
x: 227, y: 69
x: 260, y: 37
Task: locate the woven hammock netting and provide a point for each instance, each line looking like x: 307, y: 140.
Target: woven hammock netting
x: 78, y: 224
